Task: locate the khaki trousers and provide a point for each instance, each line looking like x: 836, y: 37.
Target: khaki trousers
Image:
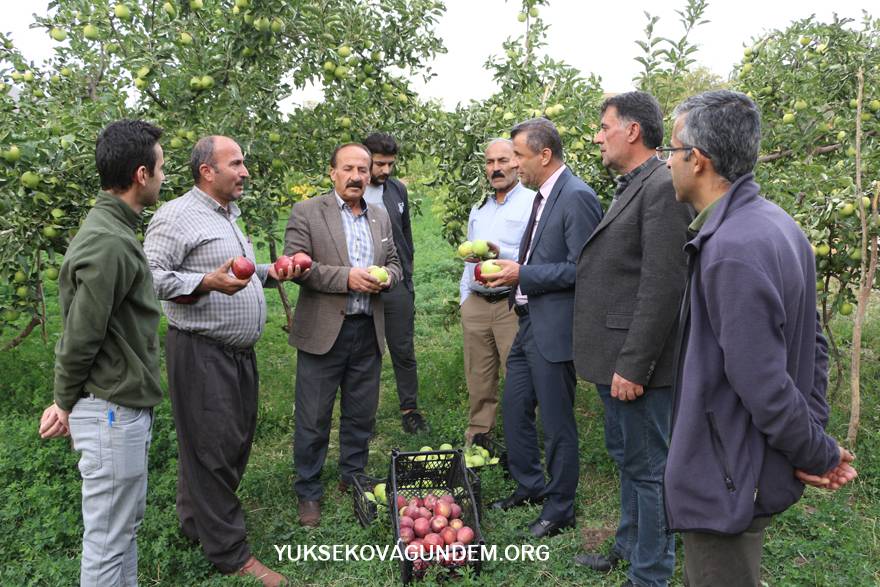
x: 488, y: 330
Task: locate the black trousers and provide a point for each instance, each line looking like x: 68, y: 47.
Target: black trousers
x: 353, y: 365
x: 213, y: 391
x: 399, y: 333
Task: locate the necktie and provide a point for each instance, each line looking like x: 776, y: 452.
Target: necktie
x: 530, y: 228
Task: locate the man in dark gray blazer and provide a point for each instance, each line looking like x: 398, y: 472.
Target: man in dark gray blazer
x: 630, y: 279
x: 540, y: 373
x: 399, y: 301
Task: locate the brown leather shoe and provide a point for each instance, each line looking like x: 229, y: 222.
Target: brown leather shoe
x: 309, y: 513
x: 264, y: 574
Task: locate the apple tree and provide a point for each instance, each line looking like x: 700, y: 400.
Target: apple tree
x: 194, y: 67
x: 530, y: 85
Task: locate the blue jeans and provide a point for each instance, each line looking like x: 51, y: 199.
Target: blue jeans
x: 637, y: 438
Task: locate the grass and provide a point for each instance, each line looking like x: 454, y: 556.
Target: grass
x: 826, y: 539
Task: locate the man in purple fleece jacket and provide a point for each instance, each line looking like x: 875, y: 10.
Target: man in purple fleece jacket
x: 752, y: 364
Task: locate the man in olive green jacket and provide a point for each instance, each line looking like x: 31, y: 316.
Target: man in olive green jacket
x: 107, y: 359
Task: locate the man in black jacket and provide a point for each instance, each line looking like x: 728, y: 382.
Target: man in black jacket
x: 399, y: 301
x: 630, y: 279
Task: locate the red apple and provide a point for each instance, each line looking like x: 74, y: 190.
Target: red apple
x: 433, y: 542
x: 455, y: 511
x: 448, y: 534
x: 405, y: 522
x: 411, y: 511
x: 283, y: 264
x: 425, y: 513
x: 465, y: 535
x: 303, y: 260
x: 243, y: 268
x: 407, y: 534
x: 402, y: 511
x: 430, y: 501
x: 401, y: 501
x: 414, y: 548
x: 447, y: 498
x: 422, y: 527
x: 415, y: 501
x: 443, y: 509
x: 456, y: 523
x: 438, y: 523
x: 421, y: 564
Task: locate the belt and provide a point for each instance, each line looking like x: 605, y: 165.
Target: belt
x: 492, y: 297
x: 521, y: 310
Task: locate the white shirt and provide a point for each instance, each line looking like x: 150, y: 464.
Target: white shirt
x: 502, y: 224
x: 546, y: 190
x: 373, y: 194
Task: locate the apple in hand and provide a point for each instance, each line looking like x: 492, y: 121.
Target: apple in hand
x: 485, y: 268
x: 380, y: 273
x: 303, y: 261
x: 283, y: 264
x: 243, y: 268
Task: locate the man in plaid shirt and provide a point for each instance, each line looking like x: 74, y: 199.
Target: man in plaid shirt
x: 214, y: 321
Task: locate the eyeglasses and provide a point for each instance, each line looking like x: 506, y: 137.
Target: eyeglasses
x: 665, y: 153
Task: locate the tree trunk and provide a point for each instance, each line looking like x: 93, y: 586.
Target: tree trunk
x: 281, y: 291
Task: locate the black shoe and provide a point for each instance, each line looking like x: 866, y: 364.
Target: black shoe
x: 545, y: 528
x: 516, y: 500
x: 413, y: 423
x: 598, y: 562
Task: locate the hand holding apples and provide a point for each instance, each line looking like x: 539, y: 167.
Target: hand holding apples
x: 362, y: 281
x: 509, y: 274
x: 478, y: 250
x: 221, y: 280
x: 286, y: 268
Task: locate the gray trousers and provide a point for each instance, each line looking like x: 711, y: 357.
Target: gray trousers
x: 113, y: 466
x: 353, y: 364
x: 213, y: 391
x: 712, y: 560
x: 399, y: 333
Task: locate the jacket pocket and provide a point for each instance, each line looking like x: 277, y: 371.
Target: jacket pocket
x: 718, y: 449
x: 618, y: 321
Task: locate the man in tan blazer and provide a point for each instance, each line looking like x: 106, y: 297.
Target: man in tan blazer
x: 339, y: 325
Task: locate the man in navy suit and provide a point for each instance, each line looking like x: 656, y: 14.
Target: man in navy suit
x: 540, y: 371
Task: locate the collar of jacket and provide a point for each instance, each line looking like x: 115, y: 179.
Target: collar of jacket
x: 118, y: 209
x: 742, y: 192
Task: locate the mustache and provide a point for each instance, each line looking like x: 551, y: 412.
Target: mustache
x: 497, y: 174
x: 356, y: 183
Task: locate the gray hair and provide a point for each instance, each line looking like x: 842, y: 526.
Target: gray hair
x: 496, y: 140
x: 540, y: 134
x: 726, y: 126
x: 202, y: 154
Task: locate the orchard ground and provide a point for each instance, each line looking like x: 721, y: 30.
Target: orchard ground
x: 826, y: 539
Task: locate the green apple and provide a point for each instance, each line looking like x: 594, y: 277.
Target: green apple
x: 143, y: 71
x: 185, y: 38
x: 207, y: 82
x: 176, y: 143
x: 341, y: 71
x: 50, y: 232
x: 841, y: 135
x: 344, y: 51
x: 379, y: 492
x: 30, y: 179
x: 122, y: 12
x: 28, y: 76
x: 788, y: 117
x: 19, y: 277
x: 846, y: 309
x: 57, y: 213
x: 65, y: 72
x: 380, y: 273
x: 168, y: 8
x: 533, y: 12
x: 91, y: 32
x: 522, y: 16
x: 191, y: 135
x: 196, y: 4
x: 800, y: 105
x: 874, y: 105
x: 52, y: 273
x: 445, y: 446
x: 481, y: 248
x: 847, y: 210
x: 58, y: 34
x: 13, y: 154
x: 195, y: 82
x: 867, y: 202
x: 140, y: 83
x: 804, y: 41
x: 345, y: 122
x: 329, y: 66
x: 466, y: 249
x: 277, y: 25
x: 274, y: 137
x: 823, y: 249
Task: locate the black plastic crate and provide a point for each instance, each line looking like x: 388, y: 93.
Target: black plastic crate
x: 415, y: 474
x: 366, y: 511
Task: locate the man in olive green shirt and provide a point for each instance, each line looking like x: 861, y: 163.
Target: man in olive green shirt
x: 107, y: 359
